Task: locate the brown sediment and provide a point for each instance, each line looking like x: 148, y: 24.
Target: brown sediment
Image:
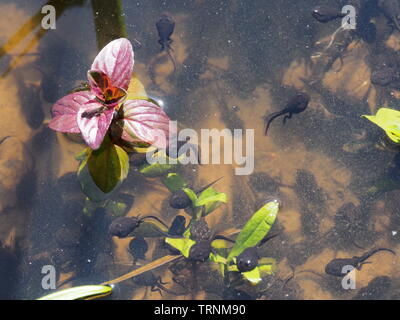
x: 352, y: 79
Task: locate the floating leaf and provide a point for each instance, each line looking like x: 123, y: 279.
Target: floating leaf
x: 116, y: 61
x: 145, y: 121
x: 66, y: 109
x: 174, y: 182
x: 94, y: 128
x: 108, y: 166
x: 81, y: 292
x: 181, y: 244
x: 388, y: 120
x: 255, y: 229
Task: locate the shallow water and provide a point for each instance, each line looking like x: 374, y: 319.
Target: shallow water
x: 237, y: 61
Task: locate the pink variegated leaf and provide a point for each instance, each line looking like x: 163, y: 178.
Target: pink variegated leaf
x: 66, y: 109
x: 94, y: 119
x: 116, y: 61
x: 145, y: 121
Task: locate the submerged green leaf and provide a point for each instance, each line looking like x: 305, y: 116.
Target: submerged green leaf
x: 88, y: 186
x: 181, y: 244
x: 253, y: 276
x: 157, y: 169
x: 216, y: 258
x: 255, y: 229
x: 211, y: 200
x: 388, y: 120
x: 191, y: 194
x: 108, y: 166
x: 83, y: 155
x: 267, y: 266
x: 221, y: 244
x: 81, y: 292
x: 174, y: 182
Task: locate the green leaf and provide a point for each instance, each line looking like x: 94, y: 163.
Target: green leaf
x: 108, y: 166
x: 90, y: 207
x: 210, y: 195
x: 211, y: 199
x: 83, y: 155
x: 388, y: 120
x: 89, y: 188
x: 253, y: 276
x: 255, y: 229
x: 115, y: 208
x: 157, y: 169
x: 221, y: 244
x: 267, y: 266
x: 81, y: 292
x: 174, y: 182
x: 216, y: 258
x: 181, y: 244
x: 191, y: 194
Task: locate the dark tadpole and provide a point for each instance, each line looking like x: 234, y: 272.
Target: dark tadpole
x: 165, y: 27
x: 248, y: 259
x: 336, y: 266
x: 385, y: 76
x: 296, y: 105
x: 326, y: 14
x: 149, y: 279
x: 122, y: 227
x: 138, y: 248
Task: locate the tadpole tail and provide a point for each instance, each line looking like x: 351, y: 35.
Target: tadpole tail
x: 271, y: 118
x: 219, y: 237
x: 373, y: 251
x: 294, y: 273
x: 266, y: 239
x: 172, y: 58
x: 209, y: 185
x: 4, y: 139
x: 155, y: 218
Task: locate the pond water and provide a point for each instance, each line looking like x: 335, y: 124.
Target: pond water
x: 236, y: 62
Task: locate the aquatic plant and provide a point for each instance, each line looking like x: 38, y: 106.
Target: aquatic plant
x: 110, y: 125
x: 215, y: 248
x: 388, y: 120
x: 197, y: 243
